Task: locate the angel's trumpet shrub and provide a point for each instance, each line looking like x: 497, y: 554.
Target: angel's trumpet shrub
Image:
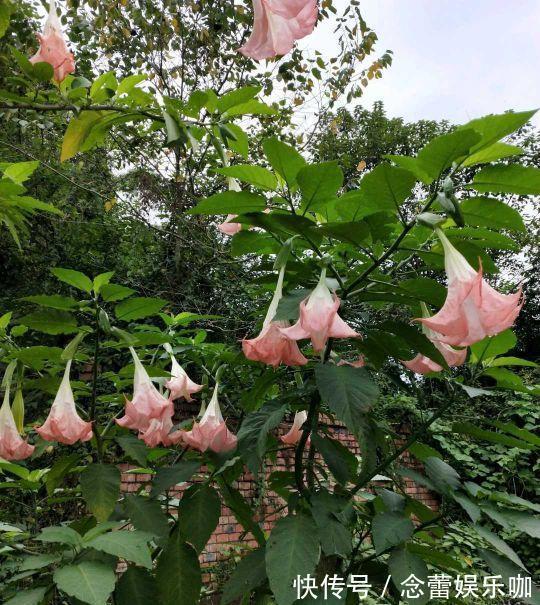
x: 272, y: 346
x: 146, y: 406
x: 63, y: 424
x: 277, y: 24
x: 53, y: 48
x: 319, y: 319
x: 12, y: 445
x: 181, y: 385
x: 295, y: 432
x: 211, y: 432
x: 472, y: 309
x: 423, y: 365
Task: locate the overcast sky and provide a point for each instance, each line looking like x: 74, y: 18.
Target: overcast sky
x: 454, y: 59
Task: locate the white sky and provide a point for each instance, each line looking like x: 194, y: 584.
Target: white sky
x: 454, y: 59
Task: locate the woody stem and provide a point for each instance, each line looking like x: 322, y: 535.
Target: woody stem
x: 93, y: 405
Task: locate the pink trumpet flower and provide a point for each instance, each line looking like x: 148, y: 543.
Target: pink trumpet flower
x: 149, y: 412
x: 63, y: 424
x: 472, y: 309
x: 272, y: 346
x: 229, y: 227
x: 12, y: 445
x: 181, y: 385
x: 277, y: 24
x: 295, y: 432
x: 211, y: 433
x: 423, y: 365
x: 359, y: 363
x: 53, y: 48
x: 319, y: 319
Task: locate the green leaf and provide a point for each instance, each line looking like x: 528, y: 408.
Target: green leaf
x: 517, y: 520
x: 513, y: 361
x: 38, y: 561
x: 470, y: 507
x: 54, y: 301
x: 199, y: 512
x: 248, y: 575
x: 129, y: 83
x: 388, y: 186
x: 402, y: 564
x: 356, y: 232
x: 501, y: 566
x: 42, y: 71
x: 77, y: 131
x: 88, y: 581
x: 493, y: 128
x: 255, y: 175
x: 134, y: 448
x: 241, y: 142
x: 492, y: 213
x: 412, y: 165
x: 284, y: 159
x: 136, y: 587
x: 516, y: 431
x: 19, y: 172
x: 5, y: 319
x: 250, y: 108
x: 336, y: 539
x: 230, y: 202
x: 147, y: 516
x: 60, y: 534
x: 236, y: 97
x: 252, y: 399
x: 492, y: 346
x: 73, y: 278
x: 34, y: 596
x: 349, y: 392
x: 178, y: 574
x: 241, y: 510
x: 138, y: 308
x: 50, y: 322
x: 494, y: 152
x: 441, y: 152
x: 100, y: 486
x: 499, y: 544
x: 101, y: 280
x: 114, y: 292
x: 513, y: 499
x: 125, y: 544
x: 339, y: 459
x: 467, y: 428
x: 444, y: 477
x: 172, y: 128
x: 5, y: 16
x: 59, y: 470
x: 390, y: 529
x: 292, y: 550
x: 253, y: 433
x: 506, y: 379
x: 523, y: 180
x: 167, y: 477
x: 319, y: 183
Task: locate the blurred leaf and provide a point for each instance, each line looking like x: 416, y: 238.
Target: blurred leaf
x: 100, y: 486
x: 138, y: 308
x: 230, y: 202
x: 390, y: 529
x: 247, y: 575
x: 88, y: 581
x: 199, y: 511
x: 73, y: 278
x: 523, y: 180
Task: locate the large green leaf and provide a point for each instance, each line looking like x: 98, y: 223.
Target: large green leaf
x: 54, y: 301
x: 73, y: 278
x: 443, y: 476
x: 34, y: 596
x: 134, y: 448
x: 488, y: 212
x: 254, y: 430
x: 492, y: 346
x: 349, y: 392
x: 169, y: 476
x: 335, y: 537
x: 319, y: 183
x: 230, y: 202
x: 293, y: 550
x: 499, y: 544
x: 390, y: 529
x: 51, y: 321
x: 241, y: 509
x: 59, y: 470
x: 494, y: 152
x: 136, y: 587
x: 339, y: 459
x: 284, y: 159
x: 138, y: 308
x: 59, y: 534
x: 467, y: 428
x: 402, y: 565
x: 248, y: 575
x: 178, y: 573
x: 199, y: 512
x: 517, y: 520
x: 441, y: 152
x: 236, y: 97
x: 114, y: 292
x: 388, y: 186
x: 148, y: 516
x: 125, y: 544
x: 88, y: 581
x: 77, y: 131
x: 493, y: 128
x: 513, y: 178
x: 100, y: 486
x: 255, y: 175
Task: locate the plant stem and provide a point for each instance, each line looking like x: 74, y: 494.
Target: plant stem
x: 93, y: 405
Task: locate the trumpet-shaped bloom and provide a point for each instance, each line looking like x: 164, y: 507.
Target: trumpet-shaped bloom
x: 147, y: 405
x: 53, y: 48
x: 295, y: 432
x: 277, y: 24
x: 272, y: 346
x: 359, y: 363
x: 319, y: 319
x: 423, y: 365
x: 229, y: 227
x: 181, y: 385
x: 63, y: 424
x: 12, y: 445
x: 211, y: 433
x: 472, y: 309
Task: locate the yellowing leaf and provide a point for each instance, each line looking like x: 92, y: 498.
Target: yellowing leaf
x: 77, y: 131
x: 109, y: 205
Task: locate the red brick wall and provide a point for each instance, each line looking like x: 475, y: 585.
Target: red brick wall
x: 270, y: 507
